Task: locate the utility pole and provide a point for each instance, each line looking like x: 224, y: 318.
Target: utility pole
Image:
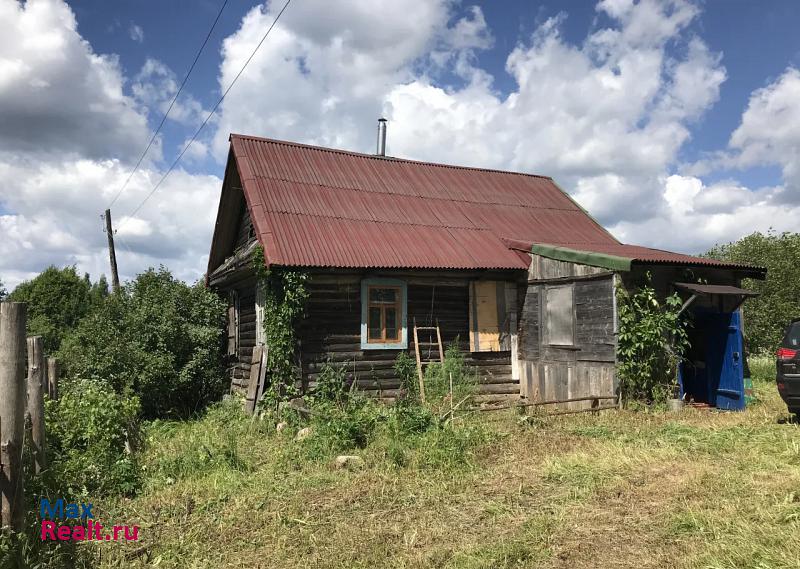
x: 112, y: 255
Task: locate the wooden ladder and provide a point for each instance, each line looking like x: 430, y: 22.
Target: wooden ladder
x: 420, y: 361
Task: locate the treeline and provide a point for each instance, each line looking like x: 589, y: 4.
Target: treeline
x: 150, y: 351
x: 159, y: 339
x: 766, y: 316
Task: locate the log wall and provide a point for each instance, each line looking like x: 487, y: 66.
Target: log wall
x: 331, y: 330
x: 238, y: 365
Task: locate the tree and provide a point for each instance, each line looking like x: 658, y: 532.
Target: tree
x: 57, y: 300
x: 651, y: 341
x: 98, y: 291
x: 766, y: 316
x: 160, y: 340
x: 2, y: 291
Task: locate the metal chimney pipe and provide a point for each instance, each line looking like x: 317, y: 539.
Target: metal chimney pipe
x: 381, y: 137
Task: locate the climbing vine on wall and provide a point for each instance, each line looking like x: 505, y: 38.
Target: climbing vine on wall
x: 285, y: 295
x: 651, y: 342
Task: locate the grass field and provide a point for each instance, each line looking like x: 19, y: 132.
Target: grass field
x: 621, y: 489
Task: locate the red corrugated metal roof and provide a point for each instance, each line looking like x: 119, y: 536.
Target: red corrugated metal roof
x: 320, y: 207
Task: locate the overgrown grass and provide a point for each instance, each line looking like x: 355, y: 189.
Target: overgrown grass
x: 762, y: 368
x: 621, y: 489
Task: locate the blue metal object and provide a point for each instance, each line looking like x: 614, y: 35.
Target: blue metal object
x: 720, y: 381
x: 730, y: 388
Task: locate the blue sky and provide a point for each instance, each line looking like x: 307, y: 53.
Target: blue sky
x: 672, y: 121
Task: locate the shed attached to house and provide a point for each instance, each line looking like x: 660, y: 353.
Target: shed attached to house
x: 507, y: 265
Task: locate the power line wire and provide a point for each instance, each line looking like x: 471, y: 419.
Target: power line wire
x: 172, y: 103
x: 210, y: 114
x: 124, y: 243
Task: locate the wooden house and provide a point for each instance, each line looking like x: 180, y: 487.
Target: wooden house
x: 506, y: 264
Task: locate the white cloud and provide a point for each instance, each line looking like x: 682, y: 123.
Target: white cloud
x: 605, y: 118
x: 769, y: 133
x: 647, y: 22
x: 69, y: 134
x: 56, y: 95
x: 56, y: 219
x: 325, y: 79
x: 155, y: 86
x: 701, y: 216
x: 136, y: 33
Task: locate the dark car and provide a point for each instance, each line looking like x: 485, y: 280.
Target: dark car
x: 789, y: 367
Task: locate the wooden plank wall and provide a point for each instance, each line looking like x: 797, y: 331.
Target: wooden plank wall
x: 563, y: 372
x: 550, y: 381
x: 331, y: 331
x: 244, y: 230
x: 542, y: 268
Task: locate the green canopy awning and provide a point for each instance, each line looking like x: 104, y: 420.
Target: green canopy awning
x: 590, y: 258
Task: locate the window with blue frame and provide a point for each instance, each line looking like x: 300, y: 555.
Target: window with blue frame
x: 383, y: 314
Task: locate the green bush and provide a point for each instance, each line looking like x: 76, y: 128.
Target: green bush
x: 763, y: 368
x: 331, y: 384
x: 26, y: 550
x: 406, y: 369
x: 91, y: 430
x: 438, y: 376
x: 651, y: 341
x: 409, y: 418
x: 285, y: 295
x: 159, y: 340
x: 343, y: 419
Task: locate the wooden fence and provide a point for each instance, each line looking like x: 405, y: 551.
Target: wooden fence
x: 21, y: 406
x: 595, y: 405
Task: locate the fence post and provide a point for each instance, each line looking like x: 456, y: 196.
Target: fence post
x: 13, y: 317
x: 36, y: 381
x: 52, y: 378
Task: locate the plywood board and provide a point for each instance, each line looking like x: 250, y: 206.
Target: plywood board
x: 560, y: 316
x: 491, y: 305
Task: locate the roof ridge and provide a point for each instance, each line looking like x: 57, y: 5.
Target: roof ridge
x: 376, y: 157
